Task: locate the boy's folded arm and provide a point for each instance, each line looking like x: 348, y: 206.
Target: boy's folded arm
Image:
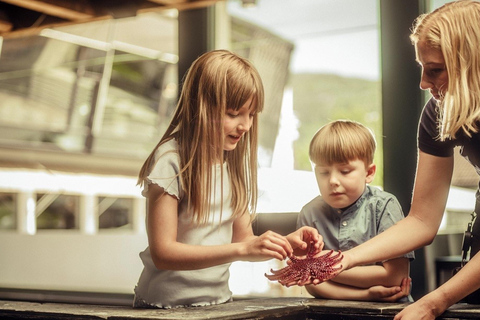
x: 337, y: 291
x: 332, y: 290
x: 391, y: 273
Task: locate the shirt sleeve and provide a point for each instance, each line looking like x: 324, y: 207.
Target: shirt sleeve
x: 390, y: 215
x: 166, y: 170
x: 428, y: 133
x: 302, y: 220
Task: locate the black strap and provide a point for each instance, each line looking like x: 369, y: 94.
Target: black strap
x: 468, y: 239
x: 475, y: 246
x: 471, y: 237
x: 471, y: 242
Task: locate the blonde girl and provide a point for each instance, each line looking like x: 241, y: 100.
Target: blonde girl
x: 201, y: 187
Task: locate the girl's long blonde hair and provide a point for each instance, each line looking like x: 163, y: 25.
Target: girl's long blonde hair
x: 454, y: 29
x: 217, y: 80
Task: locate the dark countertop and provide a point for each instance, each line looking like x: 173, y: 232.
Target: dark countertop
x: 273, y: 308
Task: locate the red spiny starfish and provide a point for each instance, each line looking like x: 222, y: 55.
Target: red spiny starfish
x: 311, y: 268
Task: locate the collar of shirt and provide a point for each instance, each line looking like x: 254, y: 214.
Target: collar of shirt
x: 354, y: 206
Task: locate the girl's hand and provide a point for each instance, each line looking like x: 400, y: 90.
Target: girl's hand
x: 390, y: 294
x: 269, y: 245
x: 303, y: 238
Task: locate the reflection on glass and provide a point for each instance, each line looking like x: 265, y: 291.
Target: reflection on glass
x: 106, y: 87
x: 139, y: 101
x: 114, y: 213
x: 333, y: 69
x: 57, y: 211
x: 7, y: 211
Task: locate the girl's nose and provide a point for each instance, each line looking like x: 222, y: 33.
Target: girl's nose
x: 245, y: 123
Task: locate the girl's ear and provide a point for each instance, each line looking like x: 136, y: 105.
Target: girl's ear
x: 371, y: 170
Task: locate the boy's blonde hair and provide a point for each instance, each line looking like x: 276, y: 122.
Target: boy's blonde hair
x: 217, y: 80
x: 342, y: 141
x: 454, y: 29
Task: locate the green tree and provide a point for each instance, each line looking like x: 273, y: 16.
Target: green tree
x: 321, y: 98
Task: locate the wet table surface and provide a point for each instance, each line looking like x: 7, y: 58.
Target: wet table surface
x: 273, y: 308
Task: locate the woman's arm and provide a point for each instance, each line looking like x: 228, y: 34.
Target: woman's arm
x: 168, y: 253
x: 418, y: 229
x: 390, y: 274
x: 436, y: 302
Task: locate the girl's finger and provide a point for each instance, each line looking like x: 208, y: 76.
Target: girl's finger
x: 276, y: 247
x: 281, y: 241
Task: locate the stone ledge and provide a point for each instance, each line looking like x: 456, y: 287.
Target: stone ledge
x: 274, y: 308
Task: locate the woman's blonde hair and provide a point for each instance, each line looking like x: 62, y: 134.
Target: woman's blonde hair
x: 341, y: 141
x: 454, y: 29
x: 217, y: 80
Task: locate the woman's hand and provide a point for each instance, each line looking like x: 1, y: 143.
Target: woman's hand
x: 416, y: 311
x: 428, y: 307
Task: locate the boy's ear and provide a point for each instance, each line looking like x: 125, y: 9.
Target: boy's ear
x: 371, y: 170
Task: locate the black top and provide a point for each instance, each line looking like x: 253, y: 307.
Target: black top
x: 428, y: 141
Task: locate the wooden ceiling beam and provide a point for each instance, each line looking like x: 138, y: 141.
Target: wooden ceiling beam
x: 26, y: 32
x: 168, y: 2
x: 180, y: 4
x: 50, y: 9
x: 81, y: 11
x: 5, y: 26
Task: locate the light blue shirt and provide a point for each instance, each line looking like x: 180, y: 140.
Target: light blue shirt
x: 374, y: 212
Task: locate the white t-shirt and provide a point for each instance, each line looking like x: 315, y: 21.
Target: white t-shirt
x: 170, y: 288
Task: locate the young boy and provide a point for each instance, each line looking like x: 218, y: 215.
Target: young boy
x: 349, y: 212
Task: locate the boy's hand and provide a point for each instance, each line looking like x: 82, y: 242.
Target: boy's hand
x: 303, y: 238
x: 390, y: 294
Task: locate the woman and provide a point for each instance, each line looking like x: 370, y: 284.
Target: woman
x: 447, y: 43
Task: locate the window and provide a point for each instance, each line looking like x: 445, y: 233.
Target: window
x: 319, y: 61
x: 110, y: 86
x: 57, y: 211
x: 114, y: 213
x: 322, y: 57
x: 7, y: 211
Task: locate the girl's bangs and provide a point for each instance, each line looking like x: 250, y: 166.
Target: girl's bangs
x: 242, y: 86
x: 239, y: 97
